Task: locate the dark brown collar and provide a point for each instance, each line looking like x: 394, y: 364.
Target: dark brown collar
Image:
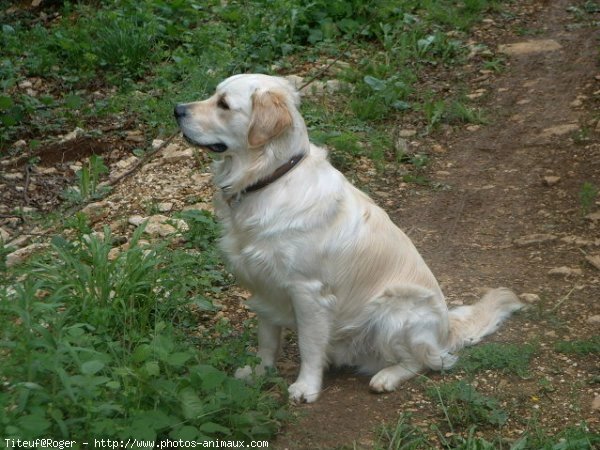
x: 264, y: 182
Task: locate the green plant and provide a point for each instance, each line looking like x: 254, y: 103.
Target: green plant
x: 463, y: 405
x: 88, y: 177
x: 402, y: 436
x: 94, y: 347
x: 579, y: 347
x: 587, y: 197
x: 506, y: 358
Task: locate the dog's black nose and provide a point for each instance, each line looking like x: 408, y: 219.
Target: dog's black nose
x: 180, y: 111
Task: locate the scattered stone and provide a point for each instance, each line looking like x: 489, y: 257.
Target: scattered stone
x: 594, y: 217
x: 136, y: 220
x: 594, y: 320
x: 201, y: 178
x: 559, y: 130
x: 528, y: 47
x: 20, y: 241
x: 4, y: 235
x: 96, y: 211
x: 173, y: 153
x: 534, y: 239
x: 407, y: 132
x: 72, y: 135
x: 529, y: 297
x: 296, y: 80
x: 40, y: 170
x: 594, y: 260
x: 20, y: 143
x: 200, y: 206
x: 159, y: 225
x: 156, y: 143
x: 114, y: 253
x: 165, y: 206
x: 551, y: 180
x: 127, y: 163
x: 333, y: 86
x: 596, y: 403
x: 13, y: 176
x: 565, y: 271
x: 20, y: 255
x: 473, y: 128
x: 134, y: 136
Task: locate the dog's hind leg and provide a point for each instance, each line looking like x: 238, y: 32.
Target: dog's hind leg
x: 406, y: 327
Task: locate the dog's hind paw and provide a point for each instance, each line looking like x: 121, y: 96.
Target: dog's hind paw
x: 303, y: 392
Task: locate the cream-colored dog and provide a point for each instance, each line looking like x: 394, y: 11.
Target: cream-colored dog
x: 317, y: 254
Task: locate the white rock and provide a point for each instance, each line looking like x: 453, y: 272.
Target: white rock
x: 156, y: 143
x: 565, y: 271
x: 407, y: 132
x: 72, y: 135
x: 534, y: 239
x: 529, y: 298
x: 551, y: 180
x: 20, y: 255
x: 531, y: 46
x: 594, y: 319
x: 13, y: 176
x: 165, y: 206
x: 173, y: 153
x: 296, y: 80
x: 594, y: 260
x: 127, y: 163
x: 4, y: 235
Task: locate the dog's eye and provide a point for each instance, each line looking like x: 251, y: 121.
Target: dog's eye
x: 222, y: 103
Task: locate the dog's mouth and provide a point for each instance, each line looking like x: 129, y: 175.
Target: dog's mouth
x: 217, y: 147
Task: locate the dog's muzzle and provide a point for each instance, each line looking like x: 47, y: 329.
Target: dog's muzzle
x: 181, y: 112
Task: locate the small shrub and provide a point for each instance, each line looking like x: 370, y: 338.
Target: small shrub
x: 464, y: 406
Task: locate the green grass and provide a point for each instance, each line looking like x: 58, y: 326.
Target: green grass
x: 145, y: 56
x: 406, y: 436
x: 507, y: 358
x: 463, y: 406
x: 579, y: 347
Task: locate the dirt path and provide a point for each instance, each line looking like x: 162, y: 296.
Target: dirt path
x: 519, y: 176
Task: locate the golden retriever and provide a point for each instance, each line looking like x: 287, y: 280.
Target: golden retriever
x: 317, y: 254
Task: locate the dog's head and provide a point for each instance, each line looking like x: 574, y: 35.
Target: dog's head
x: 245, y: 112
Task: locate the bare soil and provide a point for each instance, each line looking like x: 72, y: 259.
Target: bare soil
x: 489, y: 187
x: 493, y: 191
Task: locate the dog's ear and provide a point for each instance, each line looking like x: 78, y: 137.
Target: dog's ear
x: 270, y: 117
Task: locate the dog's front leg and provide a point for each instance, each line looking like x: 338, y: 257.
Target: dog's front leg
x: 312, y: 316
x: 269, y: 344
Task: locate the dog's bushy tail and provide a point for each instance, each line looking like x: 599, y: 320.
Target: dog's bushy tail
x: 469, y: 324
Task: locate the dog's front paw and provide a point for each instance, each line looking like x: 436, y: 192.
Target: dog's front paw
x: 243, y: 373
x: 384, y: 381
x: 303, y: 392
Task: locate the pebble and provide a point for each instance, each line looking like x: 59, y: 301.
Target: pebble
x: 408, y: 132
x: 594, y: 260
x: 551, y: 180
x: 165, y: 206
x: 20, y: 255
x: 532, y: 239
x: 4, y: 235
x: 529, y: 297
x: 595, y: 320
x: 13, y: 176
x: 173, y: 153
x: 565, y: 271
